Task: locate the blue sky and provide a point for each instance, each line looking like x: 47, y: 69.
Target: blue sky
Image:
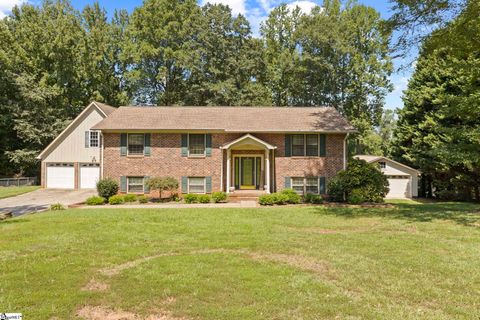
x: 256, y: 11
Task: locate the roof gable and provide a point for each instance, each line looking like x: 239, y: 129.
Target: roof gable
x: 371, y: 159
x: 103, y: 109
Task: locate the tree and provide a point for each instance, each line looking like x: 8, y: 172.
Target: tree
x: 439, y: 128
x: 162, y: 184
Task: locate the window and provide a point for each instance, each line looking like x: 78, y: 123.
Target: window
x: 312, y: 145
x: 297, y: 185
x: 298, y: 146
x: 196, y: 185
x: 196, y: 144
x: 94, y: 139
x: 305, y: 185
x: 382, y: 165
x: 311, y: 185
x: 135, y: 144
x: 135, y: 184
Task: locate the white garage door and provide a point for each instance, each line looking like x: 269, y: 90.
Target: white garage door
x: 89, y: 176
x: 399, y: 187
x: 61, y: 176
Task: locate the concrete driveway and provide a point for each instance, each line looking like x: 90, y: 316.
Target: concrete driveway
x: 41, y: 199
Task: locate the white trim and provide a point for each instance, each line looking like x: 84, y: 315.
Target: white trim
x: 204, y: 184
x: 345, y: 152
x: 229, y: 170
x: 143, y: 184
x: 72, y: 124
x: 248, y: 135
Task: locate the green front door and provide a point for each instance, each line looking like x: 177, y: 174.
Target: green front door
x: 247, y: 179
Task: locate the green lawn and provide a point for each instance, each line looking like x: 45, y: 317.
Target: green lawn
x: 6, y: 192
x: 417, y: 261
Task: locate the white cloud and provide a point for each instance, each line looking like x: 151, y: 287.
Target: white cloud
x: 237, y: 6
x: 7, y: 5
x: 400, y: 84
x: 304, y: 5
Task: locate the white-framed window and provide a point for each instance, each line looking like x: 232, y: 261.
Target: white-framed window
x: 94, y: 139
x: 136, y: 143
x: 304, y: 185
x: 196, y: 185
x: 382, y: 164
x: 135, y: 185
x: 196, y: 144
x: 305, y: 145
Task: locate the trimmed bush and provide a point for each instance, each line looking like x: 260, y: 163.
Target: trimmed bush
x: 107, y: 188
x: 142, y: 199
x: 293, y: 197
x: 356, y: 196
x: 95, y: 201
x: 359, y: 175
x: 204, y: 198
x: 313, y: 198
x: 130, y: 197
x: 280, y: 198
x: 57, y: 206
x: 191, y: 198
x: 266, y: 200
x: 116, y: 199
x: 219, y: 196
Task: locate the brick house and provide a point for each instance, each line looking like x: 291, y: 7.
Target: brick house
x: 220, y: 148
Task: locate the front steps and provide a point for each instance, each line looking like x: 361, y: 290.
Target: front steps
x: 245, y: 195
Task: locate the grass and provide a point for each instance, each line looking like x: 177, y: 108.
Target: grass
x: 414, y: 261
x: 6, y: 192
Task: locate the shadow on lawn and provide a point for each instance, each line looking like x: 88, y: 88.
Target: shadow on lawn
x: 467, y: 214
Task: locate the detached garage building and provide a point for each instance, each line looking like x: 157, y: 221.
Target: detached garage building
x: 72, y: 160
x: 402, y: 179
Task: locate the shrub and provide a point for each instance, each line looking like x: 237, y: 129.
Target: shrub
x: 266, y: 200
x: 57, y: 206
x: 107, y: 188
x: 162, y: 184
x: 130, y: 197
x: 356, y: 196
x: 280, y: 198
x: 116, y: 199
x: 95, y: 201
x: 293, y: 197
x: 142, y: 199
x: 204, y: 198
x: 313, y: 198
x: 219, y: 197
x: 191, y: 198
x: 359, y: 175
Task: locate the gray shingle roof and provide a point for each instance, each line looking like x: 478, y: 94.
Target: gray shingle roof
x: 229, y: 119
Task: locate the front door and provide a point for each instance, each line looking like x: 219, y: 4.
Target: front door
x: 247, y: 179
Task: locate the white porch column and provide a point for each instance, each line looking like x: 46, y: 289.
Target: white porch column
x: 267, y: 170
x: 229, y: 171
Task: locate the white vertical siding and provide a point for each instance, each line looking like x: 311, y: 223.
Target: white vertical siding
x: 72, y: 147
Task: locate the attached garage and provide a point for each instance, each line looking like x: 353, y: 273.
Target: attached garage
x: 61, y: 175
x: 402, y: 179
x: 89, y: 175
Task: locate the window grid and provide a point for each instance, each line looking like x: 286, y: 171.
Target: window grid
x: 312, y: 145
x: 196, y: 144
x: 298, y: 145
x: 311, y: 185
x: 94, y: 141
x: 135, y: 144
x: 305, y: 185
x: 382, y: 165
x: 297, y: 184
x: 305, y: 145
x: 135, y: 184
x: 196, y: 185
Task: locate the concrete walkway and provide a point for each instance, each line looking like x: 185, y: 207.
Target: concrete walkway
x: 241, y: 204
x: 41, y: 199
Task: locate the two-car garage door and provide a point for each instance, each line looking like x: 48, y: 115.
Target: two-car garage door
x: 62, y: 176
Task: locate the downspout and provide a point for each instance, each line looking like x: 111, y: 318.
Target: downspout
x: 221, y: 172
x: 345, y: 152
x: 101, y: 154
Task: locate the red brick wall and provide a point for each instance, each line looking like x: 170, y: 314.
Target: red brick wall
x: 166, y: 159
